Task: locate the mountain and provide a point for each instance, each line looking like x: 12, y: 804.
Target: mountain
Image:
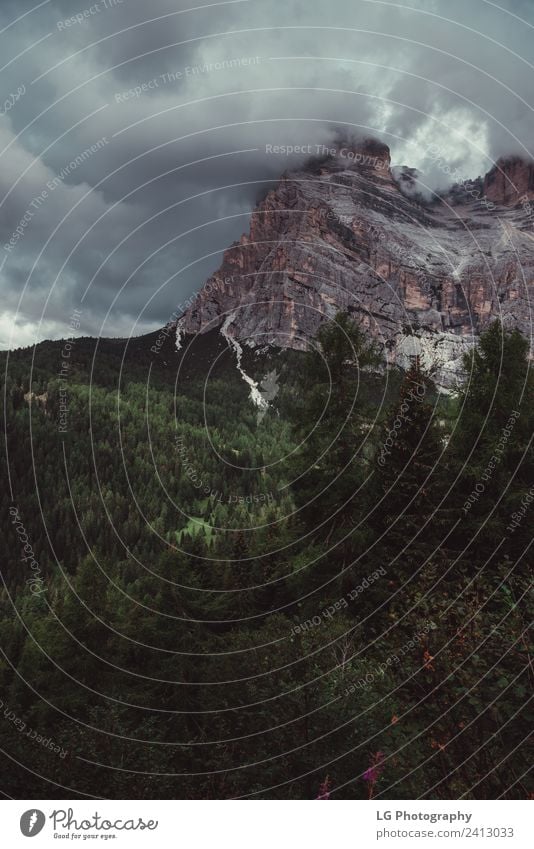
x: 326, y: 593
x: 511, y: 181
x: 349, y: 232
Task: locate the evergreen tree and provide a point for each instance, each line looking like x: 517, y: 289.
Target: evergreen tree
x: 329, y: 426
x: 492, y: 450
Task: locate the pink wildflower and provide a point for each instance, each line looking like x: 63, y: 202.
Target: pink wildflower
x: 324, y: 789
x: 374, y: 771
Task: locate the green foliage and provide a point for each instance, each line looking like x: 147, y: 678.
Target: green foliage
x: 217, y: 622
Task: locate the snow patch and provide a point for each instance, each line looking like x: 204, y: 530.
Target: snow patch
x: 179, y: 333
x: 458, y: 270
x: 255, y: 394
x: 441, y: 354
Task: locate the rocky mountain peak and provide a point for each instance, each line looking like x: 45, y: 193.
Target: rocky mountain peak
x: 367, y: 155
x: 345, y: 233
x: 510, y: 181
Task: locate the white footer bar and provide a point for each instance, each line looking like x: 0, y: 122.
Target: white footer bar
x: 268, y: 824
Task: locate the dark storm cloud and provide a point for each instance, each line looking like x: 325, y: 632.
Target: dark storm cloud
x: 137, y: 224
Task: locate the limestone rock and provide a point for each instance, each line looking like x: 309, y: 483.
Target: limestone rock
x: 343, y: 233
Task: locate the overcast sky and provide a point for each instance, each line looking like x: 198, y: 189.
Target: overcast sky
x: 136, y: 225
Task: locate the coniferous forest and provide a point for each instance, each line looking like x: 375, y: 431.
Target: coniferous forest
x: 327, y: 595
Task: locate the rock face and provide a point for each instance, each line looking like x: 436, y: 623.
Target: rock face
x: 347, y: 233
x: 510, y: 181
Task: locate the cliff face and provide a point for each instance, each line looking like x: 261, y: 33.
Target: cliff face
x: 510, y: 181
x: 346, y: 233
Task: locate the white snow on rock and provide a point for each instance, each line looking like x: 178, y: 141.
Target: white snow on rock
x: 441, y: 354
x: 179, y: 333
x: 255, y: 394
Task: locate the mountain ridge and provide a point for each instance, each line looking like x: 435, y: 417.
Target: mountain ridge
x: 348, y: 232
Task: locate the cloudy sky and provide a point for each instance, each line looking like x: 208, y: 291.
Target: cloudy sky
x: 133, y: 136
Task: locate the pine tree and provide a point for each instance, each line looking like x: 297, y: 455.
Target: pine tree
x: 408, y: 480
x: 492, y: 448
x: 328, y: 425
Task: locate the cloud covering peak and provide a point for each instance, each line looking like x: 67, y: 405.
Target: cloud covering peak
x: 135, y: 138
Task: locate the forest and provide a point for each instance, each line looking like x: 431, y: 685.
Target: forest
x: 331, y: 599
